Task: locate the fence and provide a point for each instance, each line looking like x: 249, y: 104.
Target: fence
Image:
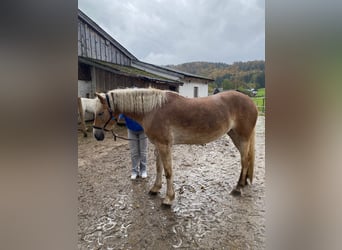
x: 260, y: 103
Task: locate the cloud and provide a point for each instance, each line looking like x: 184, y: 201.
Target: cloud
x: 161, y: 58
x: 175, y: 31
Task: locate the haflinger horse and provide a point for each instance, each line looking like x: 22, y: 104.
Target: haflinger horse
x: 169, y: 118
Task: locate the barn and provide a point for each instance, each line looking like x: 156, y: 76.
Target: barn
x: 104, y: 64
x: 192, y: 85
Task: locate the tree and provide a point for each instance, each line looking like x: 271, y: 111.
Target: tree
x: 211, y: 87
x: 260, y: 80
x: 227, y: 84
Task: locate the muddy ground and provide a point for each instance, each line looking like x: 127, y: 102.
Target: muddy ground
x: 118, y: 213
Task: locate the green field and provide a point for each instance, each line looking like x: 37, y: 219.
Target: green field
x: 260, y: 100
x: 261, y: 93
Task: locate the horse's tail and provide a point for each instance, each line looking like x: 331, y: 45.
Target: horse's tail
x: 251, y: 157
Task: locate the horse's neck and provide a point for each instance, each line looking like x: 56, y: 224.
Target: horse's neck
x: 137, y: 103
x: 135, y: 116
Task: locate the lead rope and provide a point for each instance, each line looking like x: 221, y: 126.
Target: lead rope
x: 124, y: 138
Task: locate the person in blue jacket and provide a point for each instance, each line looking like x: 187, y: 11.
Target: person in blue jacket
x: 138, y: 147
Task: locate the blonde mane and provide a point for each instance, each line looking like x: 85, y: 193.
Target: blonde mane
x: 137, y: 100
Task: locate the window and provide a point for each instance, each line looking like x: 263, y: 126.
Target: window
x: 84, y: 72
x: 195, y: 91
x: 173, y: 88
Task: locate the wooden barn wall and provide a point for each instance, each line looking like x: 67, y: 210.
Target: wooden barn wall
x: 92, y: 45
x: 107, y: 81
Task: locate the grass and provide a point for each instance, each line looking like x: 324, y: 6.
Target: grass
x: 261, y: 93
x: 260, y: 100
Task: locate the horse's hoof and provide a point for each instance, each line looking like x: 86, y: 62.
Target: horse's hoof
x: 166, y: 205
x: 235, y: 192
x: 167, y: 202
x: 152, y: 192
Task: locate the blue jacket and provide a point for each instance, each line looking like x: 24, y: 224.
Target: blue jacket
x: 131, y: 124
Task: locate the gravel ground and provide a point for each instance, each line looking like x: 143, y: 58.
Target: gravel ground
x: 118, y: 213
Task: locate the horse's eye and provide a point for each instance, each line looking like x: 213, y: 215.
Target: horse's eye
x: 100, y: 114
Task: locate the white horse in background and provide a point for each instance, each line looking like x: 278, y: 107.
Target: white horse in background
x: 85, y: 105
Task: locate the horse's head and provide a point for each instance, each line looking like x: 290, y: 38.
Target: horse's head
x: 104, y: 118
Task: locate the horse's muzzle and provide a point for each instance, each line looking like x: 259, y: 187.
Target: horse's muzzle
x: 98, y: 134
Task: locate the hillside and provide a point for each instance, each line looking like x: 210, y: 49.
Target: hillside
x: 239, y: 75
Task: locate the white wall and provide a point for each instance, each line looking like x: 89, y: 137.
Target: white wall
x: 84, y: 88
x: 187, y: 89
x: 88, y: 87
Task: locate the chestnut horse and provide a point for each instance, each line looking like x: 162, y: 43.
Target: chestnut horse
x: 169, y: 118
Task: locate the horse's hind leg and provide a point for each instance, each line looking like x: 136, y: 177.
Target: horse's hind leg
x: 243, y: 146
x: 158, y: 182
x: 251, y: 157
x: 165, y: 156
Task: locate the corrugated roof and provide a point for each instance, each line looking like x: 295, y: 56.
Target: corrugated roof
x: 173, y: 71
x: 127, y: 70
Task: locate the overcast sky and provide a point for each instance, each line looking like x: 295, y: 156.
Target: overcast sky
x: 165, y: 32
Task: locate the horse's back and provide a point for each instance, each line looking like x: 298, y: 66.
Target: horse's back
x: 230, y: 104
x: 88, y: 104
x: 201, y: 120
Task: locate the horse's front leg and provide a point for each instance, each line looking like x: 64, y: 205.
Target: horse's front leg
x: 243, y: 147
x: 158, y: 182
x: 166, y: 158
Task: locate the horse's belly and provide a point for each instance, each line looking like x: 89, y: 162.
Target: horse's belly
x: 181, y: 136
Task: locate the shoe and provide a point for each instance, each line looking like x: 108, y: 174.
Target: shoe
x: 143, y: 174
x: 134, y: 176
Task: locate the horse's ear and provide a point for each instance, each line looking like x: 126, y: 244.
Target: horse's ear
x: 102, y: 100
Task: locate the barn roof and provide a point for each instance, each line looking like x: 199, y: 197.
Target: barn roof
x: 94, y: 25
x: 128, y: 71
x: 174, y: 72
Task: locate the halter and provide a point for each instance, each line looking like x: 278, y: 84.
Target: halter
x: 114, y: 118
x: 110, y: 118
